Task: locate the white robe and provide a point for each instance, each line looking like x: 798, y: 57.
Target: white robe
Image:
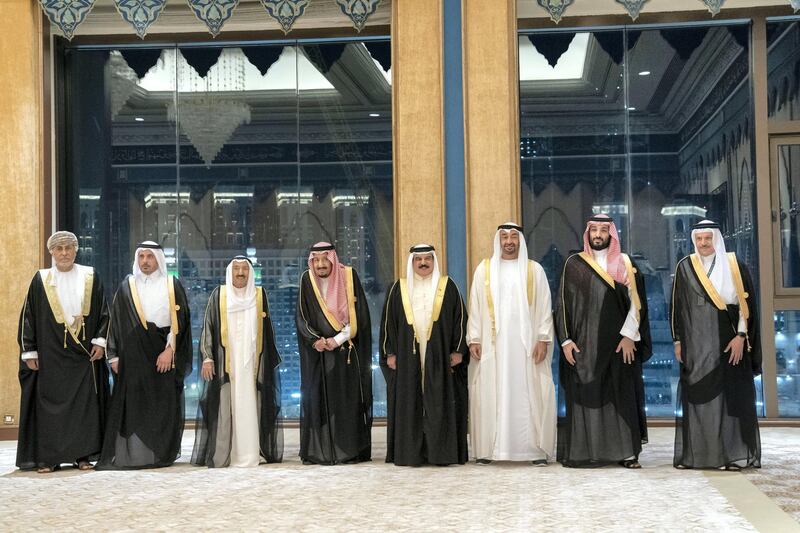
x: 512, y: 408
x: 245, y: 448
x: 422, y: 306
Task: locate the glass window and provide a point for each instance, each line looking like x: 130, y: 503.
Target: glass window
x: 652, y: 126
x: 216, y: 151
x: 787, y: 352
x: 783, y: 67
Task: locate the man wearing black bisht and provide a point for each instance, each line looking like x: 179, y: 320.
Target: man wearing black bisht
x: 423, y: 350
x: 237, y: 419
x: 62, y: 337
x: 150, y: 351
x: 601, y: 322
x: 335, y: 341
x: 716, y: 338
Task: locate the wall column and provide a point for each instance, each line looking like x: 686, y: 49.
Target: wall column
x: 21, y: 170
x: 417, y: 71
x: 491, y: 109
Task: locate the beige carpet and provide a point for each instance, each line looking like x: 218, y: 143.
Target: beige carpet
x: 380, y: 497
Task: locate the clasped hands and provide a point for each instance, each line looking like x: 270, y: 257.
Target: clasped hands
x: 322, y: 344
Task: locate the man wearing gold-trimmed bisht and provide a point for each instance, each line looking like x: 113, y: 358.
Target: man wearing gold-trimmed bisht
x: 62, y: 338
x: 716, y: 338
x: 150, y: 352
x: 512, y: 403
x: 601, y: 322
x: 335, y: 341
x: 423, y: 358
x: 237, y: 419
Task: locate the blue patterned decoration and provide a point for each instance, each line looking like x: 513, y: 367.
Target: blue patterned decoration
x: 140, y: 13
x: 714, y: 6
x: 214, y: 13
x: 67, y: 14
x: 286, y: 12
x: 633, y: 7
x: 555, y: 8
x: 358, y: 10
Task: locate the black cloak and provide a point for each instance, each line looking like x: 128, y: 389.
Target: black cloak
x: 210, y: 448
x: 716, y: 424
x: 335, y: 386
x: 63, y: 404
x: 429, y: 426
x: 145, y: 419
x: 605, y: 418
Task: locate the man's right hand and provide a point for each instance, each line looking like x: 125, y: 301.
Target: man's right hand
x: 677, y: 347
x: 115, y: 366
x: 321, y: 344
x: 33, y: 364
x: 391, y: 361
x: 208, y: 370
x: 475, y: 351
x: 569, y: 352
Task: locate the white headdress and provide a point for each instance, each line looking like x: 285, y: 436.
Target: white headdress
x: 720, y: 276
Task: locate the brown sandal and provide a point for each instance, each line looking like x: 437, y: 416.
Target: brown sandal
x: 47, y: 469
x: 630, y: 463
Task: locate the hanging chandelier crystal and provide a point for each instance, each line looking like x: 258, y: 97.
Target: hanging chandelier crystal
x: 209, y: 108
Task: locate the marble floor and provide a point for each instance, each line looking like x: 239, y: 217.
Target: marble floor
x: 379, y: 497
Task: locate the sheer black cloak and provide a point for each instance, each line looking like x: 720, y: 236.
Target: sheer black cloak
x: 145, y: 419
x: 717, y: 423
x: 429, y: 427
x: 212, y: 447
x: 605, y: 418
x: 335, y: 386
x: 63, y: 404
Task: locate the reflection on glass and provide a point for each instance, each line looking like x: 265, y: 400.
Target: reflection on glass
x: 783, y: 67
x: 788, y: 165
x: 219, y: 151
x: 787, y: 353
x: 636, y: 124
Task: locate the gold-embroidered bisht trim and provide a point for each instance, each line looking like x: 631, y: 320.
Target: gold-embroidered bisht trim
x: 174, y: 328
x: 351, y: 302
x: 739, y: 284
x: 487, y: 285
x: 711, y: 291
x: 58, y: 312
x: 635, y: 299
x: 441, y: 288
x: 137, y: 304
x: 597, y: 268
x: 224, y: 334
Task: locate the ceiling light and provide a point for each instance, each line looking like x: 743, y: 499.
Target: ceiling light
x: 644, y: 73
x: 631, y: 109
x: 374, y: 114
x: 139, y: 119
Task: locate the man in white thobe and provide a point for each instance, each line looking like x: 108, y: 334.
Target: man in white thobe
x: 238, y: 410
x: 512, y: 409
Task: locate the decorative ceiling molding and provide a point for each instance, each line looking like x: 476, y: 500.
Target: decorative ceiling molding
x: 67, y: 14
x: 555, y: 8
x: 634, y: 7
x: 286, y: 12
x: 714, y: 6
x: 213, y: 13
x: 140, y: 14
x: 359, y: 11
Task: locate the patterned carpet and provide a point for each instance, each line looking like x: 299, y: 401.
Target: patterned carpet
x: 380, y: 497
